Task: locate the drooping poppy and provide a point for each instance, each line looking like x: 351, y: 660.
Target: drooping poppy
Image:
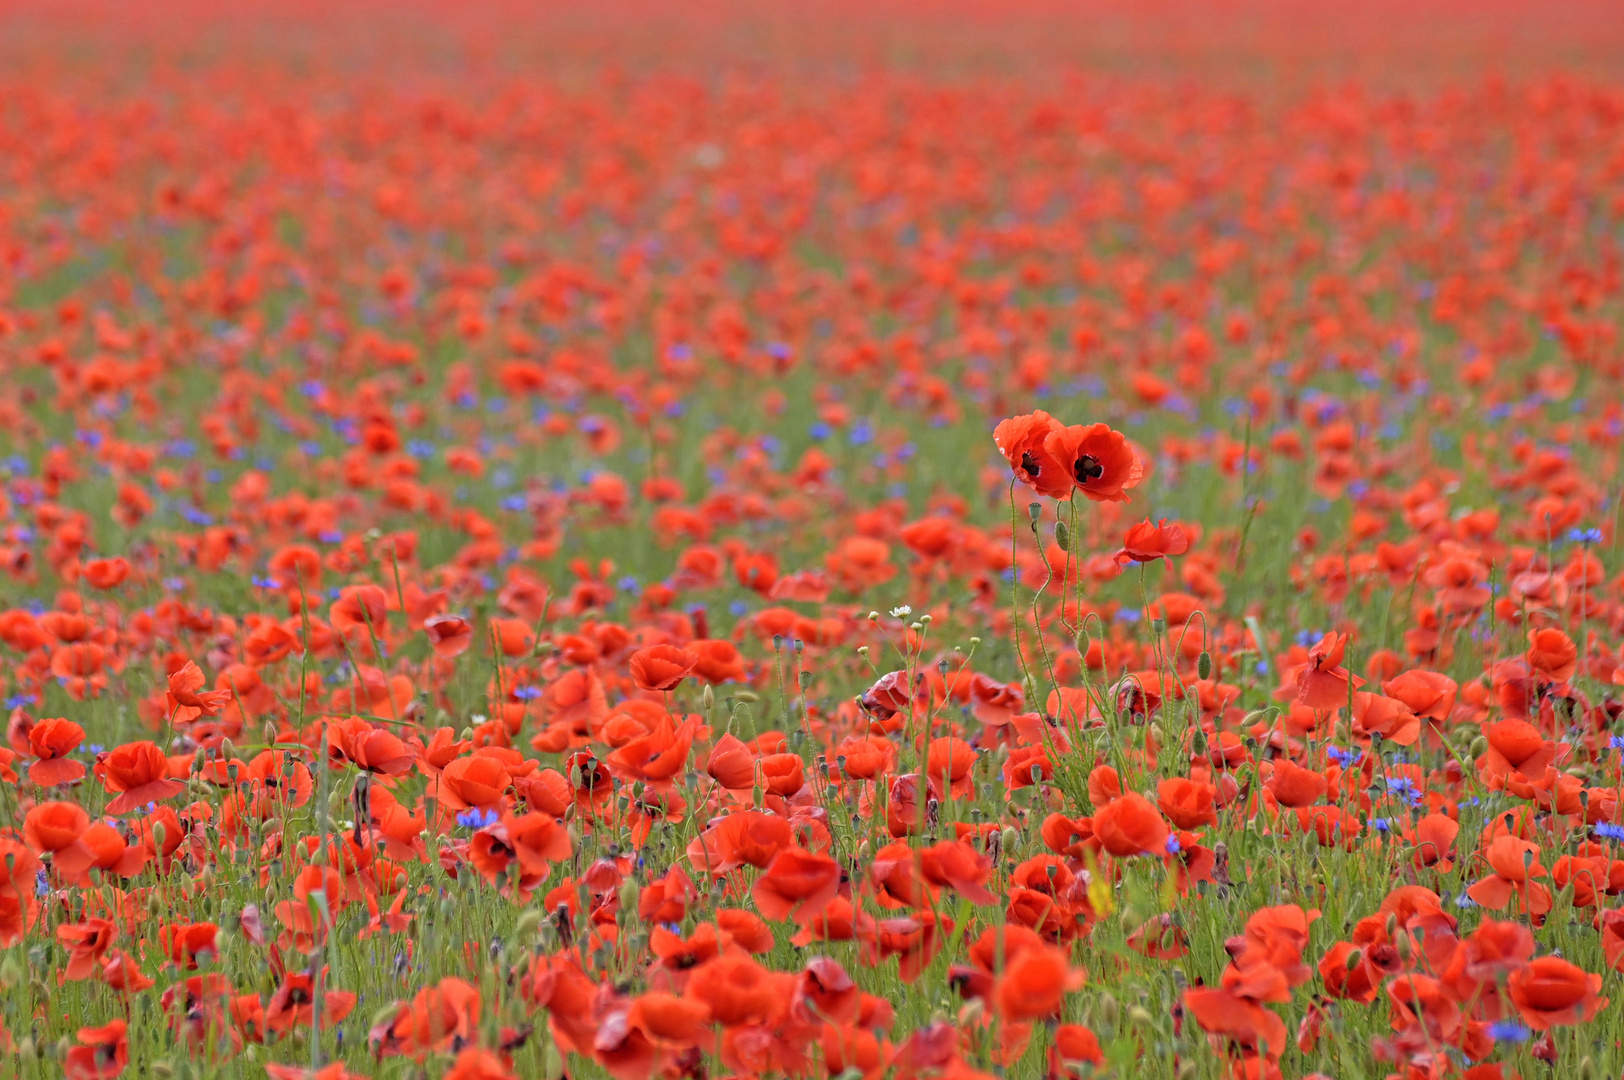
x: 1146, y: 542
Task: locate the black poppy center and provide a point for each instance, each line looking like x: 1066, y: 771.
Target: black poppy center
x: 1030, y: 464
x: 1089, y: 468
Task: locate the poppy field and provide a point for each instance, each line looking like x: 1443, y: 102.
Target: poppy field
x: 928, y: 542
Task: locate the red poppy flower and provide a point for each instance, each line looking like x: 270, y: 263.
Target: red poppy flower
x: 449, y: 635
x: 1552, y: 653
x: 1147, y: 543
x: 1322, y: 683
x: 1130, y: 825
x: 51, y: 740
x: 661, y: 667
x: 102, y: 1053
x: 137, y: 774
x: 798, y: 884
x: 1021, y: 439
x: 1550, y: 992
x: 1096, y: 460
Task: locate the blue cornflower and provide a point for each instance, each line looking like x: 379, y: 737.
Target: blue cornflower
x: 478, y: 819
x: 1341, y: 756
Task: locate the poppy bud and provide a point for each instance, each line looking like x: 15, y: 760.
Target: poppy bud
x: 1203, y: 665
x: 707, y: 698
x: 1009, y: 838
x: 11, y: 973
x: 1187, y: 1069
x: 972, y: 1013
x: 1587, y: 1069
x: 1062, y: 536
x: 629, y: 892
x: 552, y: 1062
x: 1106, y: 1013
x: 1140, y: 1017
x: 526, y: 925
x: 29, y: 1055
x: 1480, y: 746
x: 63, y: 1045
x: 1355, y: 958
x: 384, y: 1017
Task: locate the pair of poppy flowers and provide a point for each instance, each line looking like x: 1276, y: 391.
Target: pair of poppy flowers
x: 1057, y: 460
